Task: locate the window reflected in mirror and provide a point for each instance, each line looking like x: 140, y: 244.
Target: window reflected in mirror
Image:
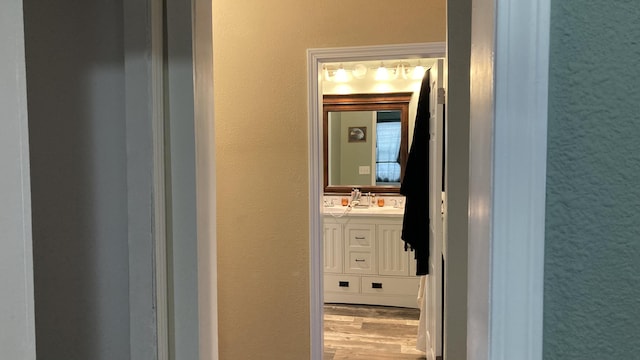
x: 388, y: 137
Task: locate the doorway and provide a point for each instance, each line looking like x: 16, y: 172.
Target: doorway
x: 316, y: 59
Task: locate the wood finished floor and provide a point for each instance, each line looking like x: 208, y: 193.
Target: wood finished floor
x: 365, y: 332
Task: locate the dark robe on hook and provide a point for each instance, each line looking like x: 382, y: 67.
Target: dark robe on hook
x: 415, y: 185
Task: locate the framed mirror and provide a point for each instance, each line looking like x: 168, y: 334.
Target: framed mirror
x: 365, y: 141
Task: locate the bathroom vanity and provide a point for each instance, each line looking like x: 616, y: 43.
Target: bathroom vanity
x: 364, y: 258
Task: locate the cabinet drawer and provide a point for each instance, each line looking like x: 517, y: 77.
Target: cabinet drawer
x: 390, y: 286
x: 360, y: 249
x: 359, y: 236
x: 342, y: 283
x: 360, y: 262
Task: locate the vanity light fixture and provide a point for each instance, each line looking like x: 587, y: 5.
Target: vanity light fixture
x: 401, y: 70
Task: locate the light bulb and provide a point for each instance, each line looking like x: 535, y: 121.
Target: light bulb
x: 418, y: 72
x: 341, y: 75
x: 382, y: 73
x: 359, y: 71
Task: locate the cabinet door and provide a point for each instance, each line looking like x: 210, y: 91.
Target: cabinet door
x: 360, y: 249
x: 333, y: 248
x: 392, y: 258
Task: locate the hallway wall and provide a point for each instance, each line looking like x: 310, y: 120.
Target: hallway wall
x: 262, y: 154
x: 75, y: 86
x: 592, y: 272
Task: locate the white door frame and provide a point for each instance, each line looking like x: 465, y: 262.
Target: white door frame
x: 188, y: 89
x: 144, y: 111
x: 508, y: 135
x: 17, y: 314
x: 205, y: 179
x: 315, y: 57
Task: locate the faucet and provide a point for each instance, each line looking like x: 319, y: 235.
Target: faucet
x: 355, y: 196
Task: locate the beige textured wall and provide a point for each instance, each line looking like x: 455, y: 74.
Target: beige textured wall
x: 261, y: 154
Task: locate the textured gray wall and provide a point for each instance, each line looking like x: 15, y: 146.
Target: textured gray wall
x: 592, y: 255
x: 75, y: 85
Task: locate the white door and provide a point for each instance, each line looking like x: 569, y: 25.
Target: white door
x: 433, y: 288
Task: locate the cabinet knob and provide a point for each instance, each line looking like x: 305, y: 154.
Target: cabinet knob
x: 376, y: 285
x: 343, y: 283
x: 360, y: 260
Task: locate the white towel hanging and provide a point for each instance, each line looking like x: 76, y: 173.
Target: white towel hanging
x: 421, y: 344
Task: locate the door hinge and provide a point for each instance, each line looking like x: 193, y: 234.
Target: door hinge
x: 440, y: 95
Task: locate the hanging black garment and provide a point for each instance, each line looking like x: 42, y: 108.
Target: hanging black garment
x: 415, y: 185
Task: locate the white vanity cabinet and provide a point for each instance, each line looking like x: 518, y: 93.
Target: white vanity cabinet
x: 365, y: 262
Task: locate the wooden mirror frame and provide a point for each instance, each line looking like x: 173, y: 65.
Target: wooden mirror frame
x: 366, y: 102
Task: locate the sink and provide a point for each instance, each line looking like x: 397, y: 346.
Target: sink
x: 387, y: 211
